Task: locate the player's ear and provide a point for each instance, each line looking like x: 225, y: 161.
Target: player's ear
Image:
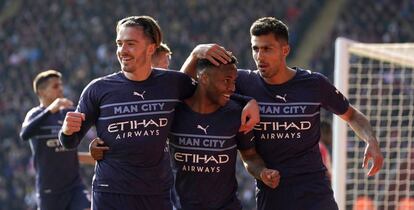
x: 151, y: 49
x: 286, y: 49
x: 203, y: 78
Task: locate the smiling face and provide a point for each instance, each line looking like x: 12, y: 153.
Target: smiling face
x: 134, y: 48
x: 220, y: 83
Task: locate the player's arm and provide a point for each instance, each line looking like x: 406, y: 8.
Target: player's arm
x: 255, y: 165
x: 362, y: 128
x: 33, y: 121
x: 213, y: 52
x: 70, y: 135
x: 85, y: 158
x: 32, y: 124
x: 252, y: 161
x: 77, y: 123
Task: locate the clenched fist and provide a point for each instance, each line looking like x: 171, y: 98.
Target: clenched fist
x: 72, y: 123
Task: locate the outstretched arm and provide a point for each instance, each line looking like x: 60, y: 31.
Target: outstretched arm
x: 362, y: 128
x: 256, y: 167
x: 213, y: 52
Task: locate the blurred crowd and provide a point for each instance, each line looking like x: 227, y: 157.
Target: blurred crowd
x: 370, y: 21
x: 76, y: 37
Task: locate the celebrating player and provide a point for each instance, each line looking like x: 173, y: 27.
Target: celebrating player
x: 287, y: 136
x: 58, y: 182
x: 132, y: 111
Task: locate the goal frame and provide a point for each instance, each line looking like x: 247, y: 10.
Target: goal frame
x: 344, y: 48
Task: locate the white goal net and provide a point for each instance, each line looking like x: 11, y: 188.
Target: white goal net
x: 378, y: 79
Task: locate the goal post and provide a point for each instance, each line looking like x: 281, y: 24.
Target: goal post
x: 378, y: 79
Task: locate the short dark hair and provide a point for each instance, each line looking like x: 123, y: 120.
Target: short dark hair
x: 42, y: 78
x: 266, y: 25
x: 204, y: 64
x: 150, y: 27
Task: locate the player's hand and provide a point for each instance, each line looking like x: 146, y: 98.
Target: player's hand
x: 373, y: 152
x: 250, y: 116
x: 270, y: 177
x: 72, y: 122
x: 215, y: 53
x: 59, y: 104
x: 97, y: 149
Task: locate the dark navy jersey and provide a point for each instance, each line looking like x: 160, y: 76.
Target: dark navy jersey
x: 204, y: 150
x: 57, y: 168
x: 133, y: 118
x: 289, y: 130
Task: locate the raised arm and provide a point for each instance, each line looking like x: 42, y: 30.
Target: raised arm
x: 32, y: 122
x: 255, y: 165
x: 362, y: 128
x: 213, y: 52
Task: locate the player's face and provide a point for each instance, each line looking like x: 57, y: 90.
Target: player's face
x: 162, y: 60
x: 221, y: 84
x: 52, y: 90
x: 134, y: 49
x: 269, y: 54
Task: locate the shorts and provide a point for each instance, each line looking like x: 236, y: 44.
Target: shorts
x: 116, y: 201
x: 310, y: 192
x: 75, y: 199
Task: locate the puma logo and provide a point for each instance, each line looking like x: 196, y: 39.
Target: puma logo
x: 204, y: 129
x: 281, y: 97
x: 139, y: 94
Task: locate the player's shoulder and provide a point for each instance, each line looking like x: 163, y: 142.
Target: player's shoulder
x: 103, y: 80
x: 34, y: 111
x: 308, y: 74
x: 233, y: 106
x: 166, y: 72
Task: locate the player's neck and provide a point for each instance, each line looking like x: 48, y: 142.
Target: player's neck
x: 140, y: 74
x: 200, y: 103
x: 282, y: 76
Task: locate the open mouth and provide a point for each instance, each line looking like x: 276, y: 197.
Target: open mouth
x: 262, y: 66
x: 227, y: 96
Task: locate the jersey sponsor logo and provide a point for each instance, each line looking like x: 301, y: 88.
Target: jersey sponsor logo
x: 136, y: 124
x: 283, y: 126
x: 204, y: 129
x: 136, y: 128
x: 201, y: 163
x: 135, y: 93
x: 281, y: 97
x: 201, y: 158
x: 282, y: 130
